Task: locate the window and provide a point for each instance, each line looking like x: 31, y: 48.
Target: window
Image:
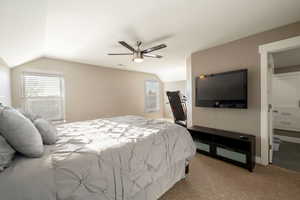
x: 44, y: 95
x: 152, y: 96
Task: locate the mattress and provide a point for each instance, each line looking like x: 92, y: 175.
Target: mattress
x: 121, y: 158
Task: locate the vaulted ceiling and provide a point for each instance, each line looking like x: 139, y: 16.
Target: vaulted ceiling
x: 85, y: 31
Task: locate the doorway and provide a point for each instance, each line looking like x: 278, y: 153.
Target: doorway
x: 285, y: 101
x: 266, y: 72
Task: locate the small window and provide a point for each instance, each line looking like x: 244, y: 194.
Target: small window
x: 152, y: 97
x: 44, y: 95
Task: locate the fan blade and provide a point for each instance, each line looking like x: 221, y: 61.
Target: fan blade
x: 154, y: 48
x: 152, y: 55
x: 127, y: 46
x: 119, y: 54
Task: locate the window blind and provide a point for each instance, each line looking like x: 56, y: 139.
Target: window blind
x: 152, y: 98
x: 44, y: 95
x: 42, y: 85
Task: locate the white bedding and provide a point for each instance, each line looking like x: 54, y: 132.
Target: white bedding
x: 121, y: 158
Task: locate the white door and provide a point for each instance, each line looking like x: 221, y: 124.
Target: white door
x: 286, y: 101
x: 270, y: 110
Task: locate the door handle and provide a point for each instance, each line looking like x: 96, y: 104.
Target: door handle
x: 275, y: 111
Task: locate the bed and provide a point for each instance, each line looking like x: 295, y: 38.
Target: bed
x: 120, y: 158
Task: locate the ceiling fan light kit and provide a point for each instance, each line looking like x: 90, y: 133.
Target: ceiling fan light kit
x: 138, y: 54
x: 138, y: 57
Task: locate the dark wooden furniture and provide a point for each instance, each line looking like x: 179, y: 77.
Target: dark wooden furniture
x: 178, y: 107
x: 233, y: 147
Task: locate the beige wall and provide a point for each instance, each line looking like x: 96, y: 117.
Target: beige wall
x: 5, y: 94
x: 91, y: 91
x: 172, y: 86
x: 234, y: 55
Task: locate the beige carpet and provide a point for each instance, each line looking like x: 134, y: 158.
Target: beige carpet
x: 211, y: 179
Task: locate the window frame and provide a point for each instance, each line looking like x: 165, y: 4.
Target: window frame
x: 62, y: 91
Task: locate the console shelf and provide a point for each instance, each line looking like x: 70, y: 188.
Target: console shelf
x: 236, y: 148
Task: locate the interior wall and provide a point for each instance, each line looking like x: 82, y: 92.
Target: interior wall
x: 172, y: 86
x: 91, y: 91
x: 235, y: 55
x: 5, y: 90
x: 287, y: 69
x: 287, y: 61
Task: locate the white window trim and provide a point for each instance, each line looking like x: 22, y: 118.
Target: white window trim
x: 158, y: 98
x: 50, y: 74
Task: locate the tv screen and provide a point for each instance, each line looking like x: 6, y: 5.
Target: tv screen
x: 223, y: 90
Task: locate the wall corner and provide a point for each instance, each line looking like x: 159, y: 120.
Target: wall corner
x: 189, y: 90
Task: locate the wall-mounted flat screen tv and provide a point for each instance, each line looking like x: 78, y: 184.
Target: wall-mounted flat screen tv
x: 222, y: 90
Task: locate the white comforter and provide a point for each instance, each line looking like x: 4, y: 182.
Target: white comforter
x: 112, y: 158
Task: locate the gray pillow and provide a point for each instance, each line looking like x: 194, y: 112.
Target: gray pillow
x: 20, y: 133
x: 6, y: 153
x: 29, y: 115
x: 47, y: 131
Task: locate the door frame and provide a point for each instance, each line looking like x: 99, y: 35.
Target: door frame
x: 264, y: 50
x: 271, y: 68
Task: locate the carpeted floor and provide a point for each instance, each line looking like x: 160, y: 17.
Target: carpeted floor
x: 211, y: 179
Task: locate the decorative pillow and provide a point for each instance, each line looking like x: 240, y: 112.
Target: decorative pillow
x: 20, y: 133
x: 29, y: 115
x: 6, y: 153
x: 47, y: 131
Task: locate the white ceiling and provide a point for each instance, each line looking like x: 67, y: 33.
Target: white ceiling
x: 22, y: 30
x: 287, y: 58
x: 85, y: 31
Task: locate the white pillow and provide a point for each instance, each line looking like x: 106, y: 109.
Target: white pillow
x: 47, y: 131
x: 6, y: 153
x: 20, y: 133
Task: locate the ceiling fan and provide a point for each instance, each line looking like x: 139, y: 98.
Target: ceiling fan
x: 138, y: 54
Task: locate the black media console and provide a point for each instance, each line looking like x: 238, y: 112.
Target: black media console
x: 233, y: 147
